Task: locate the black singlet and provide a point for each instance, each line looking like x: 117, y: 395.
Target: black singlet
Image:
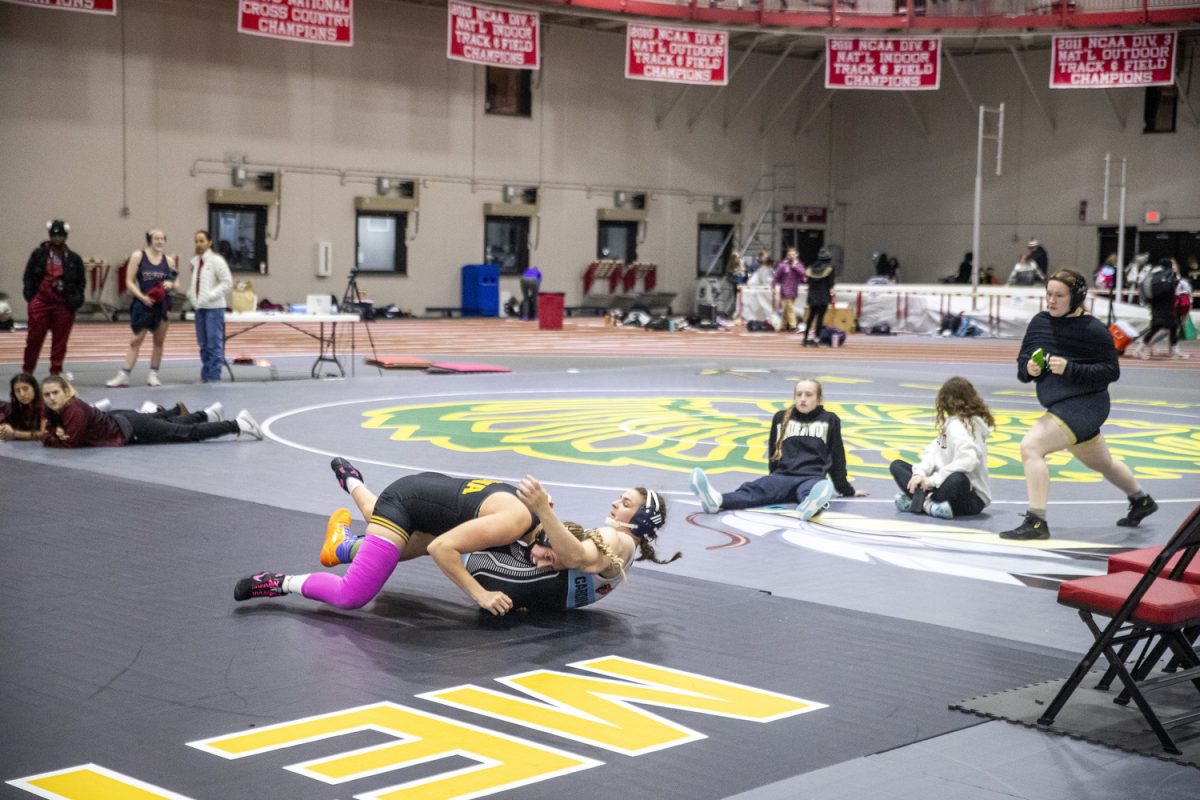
x: 432, y: 503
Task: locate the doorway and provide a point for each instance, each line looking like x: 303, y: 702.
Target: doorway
x: 714, y: 243
x: 807, y: 241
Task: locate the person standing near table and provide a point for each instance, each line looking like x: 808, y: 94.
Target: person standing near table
x: 149, y: 276
x: 54, y: 291
x: 789, y: 274
x: 209, y: 284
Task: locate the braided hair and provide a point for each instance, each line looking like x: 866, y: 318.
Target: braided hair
x: 593, y: 535
x: 792, y: 412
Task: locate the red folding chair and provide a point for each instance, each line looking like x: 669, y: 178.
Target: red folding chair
x: 1156, y: 607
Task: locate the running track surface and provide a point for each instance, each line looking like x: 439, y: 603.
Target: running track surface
x: 579, y: 337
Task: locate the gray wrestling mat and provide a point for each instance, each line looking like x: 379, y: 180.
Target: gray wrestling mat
x: 1090, y: 714
x: 120, y: 645
x: 123, y: 648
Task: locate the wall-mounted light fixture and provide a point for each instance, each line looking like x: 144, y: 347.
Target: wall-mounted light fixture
x: 237, y: 176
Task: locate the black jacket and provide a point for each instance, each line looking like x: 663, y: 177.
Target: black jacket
x: 1086, y: 344
x: 73, y: 278
x: 820, y: 284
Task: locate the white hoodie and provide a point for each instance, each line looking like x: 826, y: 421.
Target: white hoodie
x: 958, y: 449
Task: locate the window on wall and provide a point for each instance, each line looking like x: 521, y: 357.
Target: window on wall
x: 509, y: 92
x: 239, y: 235
x: 379, y: 243
x: 618, y: 241
x: 1161, y: 102
x: 506, y: 243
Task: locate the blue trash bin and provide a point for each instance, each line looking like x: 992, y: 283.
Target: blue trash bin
x: 481, y: 290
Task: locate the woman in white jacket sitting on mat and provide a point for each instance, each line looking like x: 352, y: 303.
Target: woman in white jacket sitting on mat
x: 951, y: 479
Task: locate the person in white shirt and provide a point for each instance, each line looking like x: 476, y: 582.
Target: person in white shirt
x: 951, y: 480
x: 1026, y: 273
x: 209, y: 284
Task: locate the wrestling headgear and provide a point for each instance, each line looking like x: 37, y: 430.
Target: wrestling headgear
x: 58, y: 227
x: 646, y: 521
x: 1075, y: 283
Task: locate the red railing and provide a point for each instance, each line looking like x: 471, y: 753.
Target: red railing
x: 905, y: 14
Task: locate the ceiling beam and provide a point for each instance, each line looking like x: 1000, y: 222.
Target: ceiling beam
x: 803, y: 125
x: 1122, y: 120
x: 714, y: 95
x: 1037, y: 100
x: 921, y: 123
x: 971, y: 104
x: 761, y: 84
x: 812, y: 73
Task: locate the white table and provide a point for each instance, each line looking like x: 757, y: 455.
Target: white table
x: 328, y: 344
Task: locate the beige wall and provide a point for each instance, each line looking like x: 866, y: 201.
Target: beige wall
x: 912, y: 195
x: 393, y: 104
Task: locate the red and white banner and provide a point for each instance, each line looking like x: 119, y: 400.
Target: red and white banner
x: 496, y: 37
x: 1107, y: 60
x: 90, y: 6
x: 677, y: 55
x: 311, y: 21
x: 903, y: 64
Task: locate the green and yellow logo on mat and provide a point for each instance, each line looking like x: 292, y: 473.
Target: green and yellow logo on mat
x: 729, y: 434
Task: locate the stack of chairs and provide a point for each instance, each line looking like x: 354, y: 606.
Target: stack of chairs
x: 601, y: 281
x: 1151, y: 599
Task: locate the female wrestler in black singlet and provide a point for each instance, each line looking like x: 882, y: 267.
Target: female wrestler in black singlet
x: 1080, y: 362
x: 435, y: 515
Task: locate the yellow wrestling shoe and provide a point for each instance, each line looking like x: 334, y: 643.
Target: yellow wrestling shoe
x: 336, y: 532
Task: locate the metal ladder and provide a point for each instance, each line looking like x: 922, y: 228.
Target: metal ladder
x: 773, y: 187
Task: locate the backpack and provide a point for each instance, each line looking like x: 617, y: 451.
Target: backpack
x: 1159, y: 283
x: 832, y: 337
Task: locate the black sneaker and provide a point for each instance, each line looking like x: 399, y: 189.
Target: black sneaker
x: 260, y: 584
x: 1138, y: 510
x: 343, y: 469
x: 1032, y: 527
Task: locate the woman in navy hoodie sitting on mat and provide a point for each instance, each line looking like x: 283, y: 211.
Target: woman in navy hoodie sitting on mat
x: 806, y: 459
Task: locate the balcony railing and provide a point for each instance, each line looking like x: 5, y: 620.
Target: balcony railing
x: 905, y: 14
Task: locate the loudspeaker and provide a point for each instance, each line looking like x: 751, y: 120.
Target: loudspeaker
x: 324, y: 259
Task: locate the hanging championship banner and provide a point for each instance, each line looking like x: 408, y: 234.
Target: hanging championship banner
x: 495, y: 37
x: 311, y: 21
x: 1108, y: 60
x: 676, y: 55
x: 884, y: 63
x: 90, y: 6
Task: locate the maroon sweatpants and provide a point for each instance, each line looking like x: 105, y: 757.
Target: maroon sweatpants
x: 54, y: 318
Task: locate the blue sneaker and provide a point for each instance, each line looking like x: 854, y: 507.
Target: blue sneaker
x: 710, y: 498
x: 817, y: 500
x: 903, y: 502
x: 941, y: 510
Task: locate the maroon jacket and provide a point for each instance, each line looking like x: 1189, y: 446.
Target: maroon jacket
x: 84, y: 426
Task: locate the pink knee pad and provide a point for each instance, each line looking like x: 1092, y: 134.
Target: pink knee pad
x: 373, y: 563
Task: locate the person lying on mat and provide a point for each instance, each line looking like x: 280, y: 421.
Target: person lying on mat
x: 951, y: 479
x: 522, y: 556
x: 1071, y: 358
x: 804, y: 452
x: 71, y: 423
x: 21, y: 418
